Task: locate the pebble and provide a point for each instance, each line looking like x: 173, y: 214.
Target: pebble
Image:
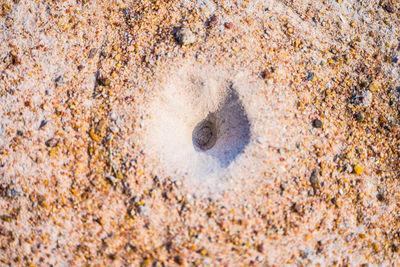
x: 310, y: 76
x: 283, y: 187
x: 389, y: 8
x: 347, y: 168
x: 104, y: 81
x: 357, y: 169
x: 178, y: 260
x: 59, y: 80
x: 360, y: 117
x: 317, y: 123
x: 114, y: 129
x: 111, y: 179
x: 143, y: 210
x: 366, y: 99
x: 380, y: 196
x: 184, y: 36
x: 43, y: 123
x: 113, y: 116
x: 228, y: 25
x: 212, y: 21
x: 14, y: 192
x: 131, y: 212
x: 52, y: 142
x: 314, y: 179
x: 92, y: 52
x: 3, y: 231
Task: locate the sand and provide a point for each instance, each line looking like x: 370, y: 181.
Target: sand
x: 100, y: 163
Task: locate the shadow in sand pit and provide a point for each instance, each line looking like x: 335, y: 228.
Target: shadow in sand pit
x: 225, y: 133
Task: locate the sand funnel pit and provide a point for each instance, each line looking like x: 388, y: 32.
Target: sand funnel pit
x: 224, y: 133
x: 197, y: 125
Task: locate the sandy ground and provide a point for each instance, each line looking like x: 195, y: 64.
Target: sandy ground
x: 91, y: 173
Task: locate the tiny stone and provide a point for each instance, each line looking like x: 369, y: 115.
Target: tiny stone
x: 52, y: 142
x: 103, y: 54
x: 347, y: 168
x: 360, y: 116
x: 114, y: 129
x: 228, y: 25
x: 178, y: 260
x: 143, y: 210
x: 15, y: 60
x: 184, y: 36
x: 111, y: 179
x: 43, y: 123
x: 363, y: 84
x: 113, y: 116
x: 260, y: 248
x: 92, y: 53
x: 314, y: 179
x: 310, y: 76
x: 59, y: 80
x: 6, y: 218
x: 357, y: 169
x: 389, y: 8
x: 380, y: 196
x: 131, y: 212
x: 112, y: 256
x: 20, y: 133
x: 41, y: 200
x: 3, y: 231
x: 366, y: 98
x: 317, y: 123
x: 104, y: 81
x: 212, y: 21
x: 283, y: 187
x: 14, y: 192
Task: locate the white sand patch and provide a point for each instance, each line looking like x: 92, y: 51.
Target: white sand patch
x: 205, y: 126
